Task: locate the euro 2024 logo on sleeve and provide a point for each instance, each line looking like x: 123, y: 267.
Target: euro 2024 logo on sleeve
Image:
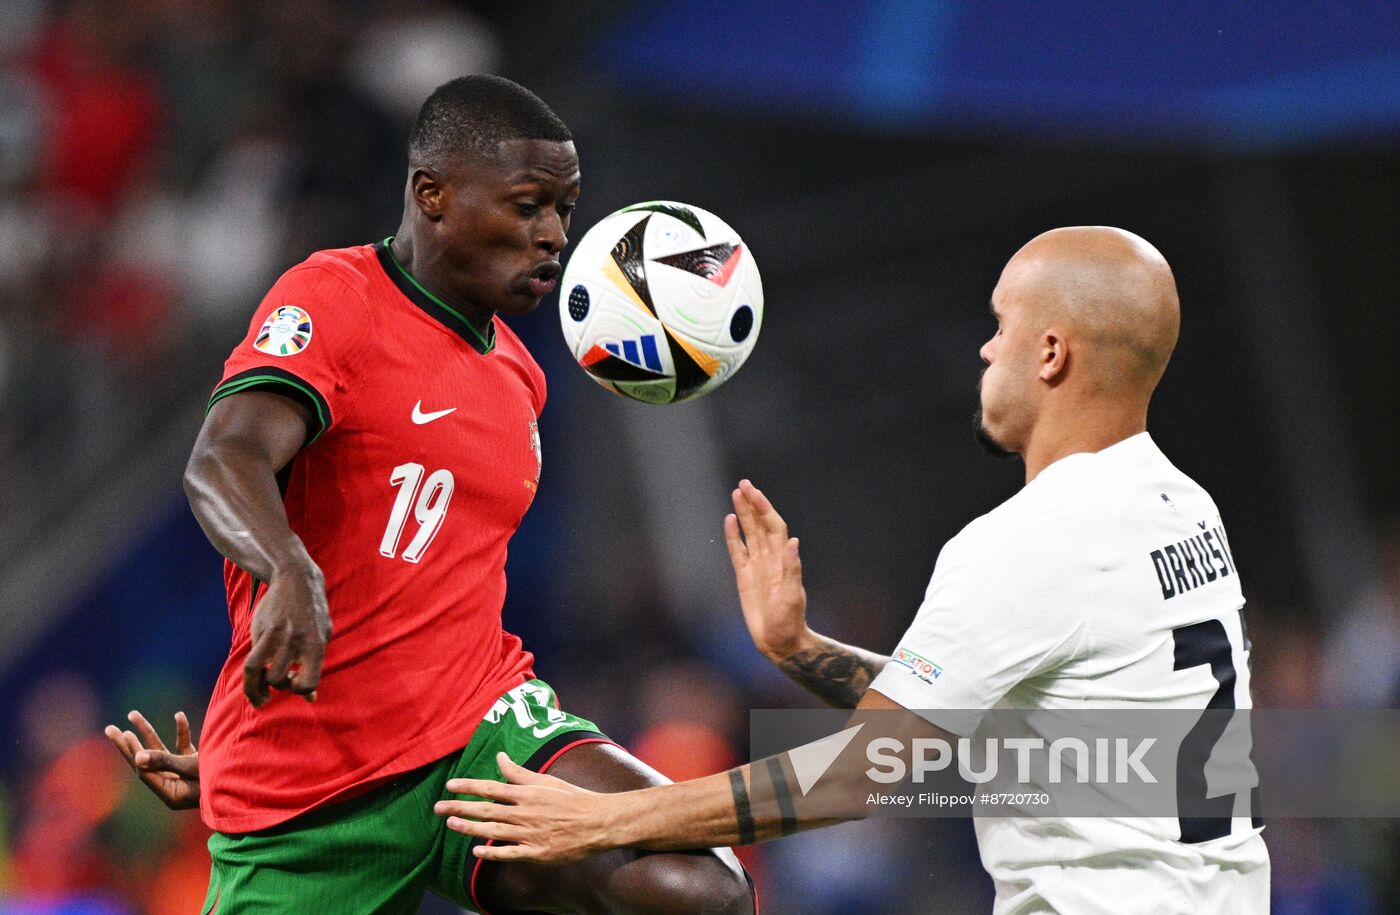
x: 918, y: 665
x: 286, y: 332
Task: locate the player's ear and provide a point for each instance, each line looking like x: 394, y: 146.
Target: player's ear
x: 429, y: 191
x: 1054, y: 355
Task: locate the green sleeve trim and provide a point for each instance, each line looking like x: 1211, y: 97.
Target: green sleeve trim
x: 258, y: 378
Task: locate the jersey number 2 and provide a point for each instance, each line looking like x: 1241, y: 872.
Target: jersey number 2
x: 428, y: 510
x: 1197, y: 645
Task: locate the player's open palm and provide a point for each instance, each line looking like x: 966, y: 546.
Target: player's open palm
x: 172, y: 777
x: 768, y: 571
x: 290, y: 629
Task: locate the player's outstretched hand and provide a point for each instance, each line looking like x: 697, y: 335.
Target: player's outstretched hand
x: 768, y: 571
x: 290, y: 629
x: 172, y: 777
x: 542, y: 817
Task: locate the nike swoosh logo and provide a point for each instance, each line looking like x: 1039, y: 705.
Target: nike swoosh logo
x: 419, y: 417
x: 545, y: 730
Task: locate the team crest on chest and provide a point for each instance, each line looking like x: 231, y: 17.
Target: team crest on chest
x: 532, y: 485
x: 286, y: 332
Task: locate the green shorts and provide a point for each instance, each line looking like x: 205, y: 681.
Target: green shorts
x: 380, y: 851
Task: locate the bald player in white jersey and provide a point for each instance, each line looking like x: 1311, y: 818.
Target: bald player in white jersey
x: 1105, y: 583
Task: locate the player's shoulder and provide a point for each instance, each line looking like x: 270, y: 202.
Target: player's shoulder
x: 331, y: 289
x: 1093, y: 483
x: 509, y: 344
x: 342, y: 269
x: 1077, y: 497
x: 508, y: 341
x: 1140, y: 483
x: 510, y: 347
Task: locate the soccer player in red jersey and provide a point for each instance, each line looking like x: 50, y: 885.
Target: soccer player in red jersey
x: 363, y: 464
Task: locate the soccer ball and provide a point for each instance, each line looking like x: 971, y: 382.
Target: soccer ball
x: 661, y: 302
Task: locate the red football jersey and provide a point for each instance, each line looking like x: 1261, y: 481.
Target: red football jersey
x: 425, y: 458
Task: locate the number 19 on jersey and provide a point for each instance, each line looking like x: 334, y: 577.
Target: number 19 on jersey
x: 428, y: 499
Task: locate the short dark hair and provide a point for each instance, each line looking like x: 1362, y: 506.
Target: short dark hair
x: 474, y: 114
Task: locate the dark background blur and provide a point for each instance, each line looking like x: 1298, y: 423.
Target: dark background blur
x: 162, y: 161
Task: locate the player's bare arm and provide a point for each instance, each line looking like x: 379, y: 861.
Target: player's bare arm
x: 231, y: 481
x: 768, y: 571
x: 836, y: 673
x: 172, y: 777
x: 546, y: 819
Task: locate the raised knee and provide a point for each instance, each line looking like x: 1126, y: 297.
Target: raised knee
x: 700, y: 883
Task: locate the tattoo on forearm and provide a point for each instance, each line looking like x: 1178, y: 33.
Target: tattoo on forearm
x: 786, y: 808
x: 741, y: 807
x: 835, y: 673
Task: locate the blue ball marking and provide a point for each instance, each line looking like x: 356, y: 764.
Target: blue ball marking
x: 578, y: 303
x: 741, y: 323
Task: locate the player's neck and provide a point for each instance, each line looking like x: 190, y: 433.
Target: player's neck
x: 1084, y: 431
x: 428, y: 270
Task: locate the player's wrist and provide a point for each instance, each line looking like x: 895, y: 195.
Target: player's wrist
x: 778, y: 652
x: 621, y: 822
x: 297, y: 563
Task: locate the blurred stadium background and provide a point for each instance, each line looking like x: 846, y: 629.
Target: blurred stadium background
x: 161, y: 161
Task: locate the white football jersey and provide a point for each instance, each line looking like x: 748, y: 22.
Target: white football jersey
x: 1107, y: 582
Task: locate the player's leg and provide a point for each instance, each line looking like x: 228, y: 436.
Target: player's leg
x: 529, y: 726
x: 622, y: 881
x: 368, y: 854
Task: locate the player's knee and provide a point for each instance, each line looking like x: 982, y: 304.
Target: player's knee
x: 672, y: 884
